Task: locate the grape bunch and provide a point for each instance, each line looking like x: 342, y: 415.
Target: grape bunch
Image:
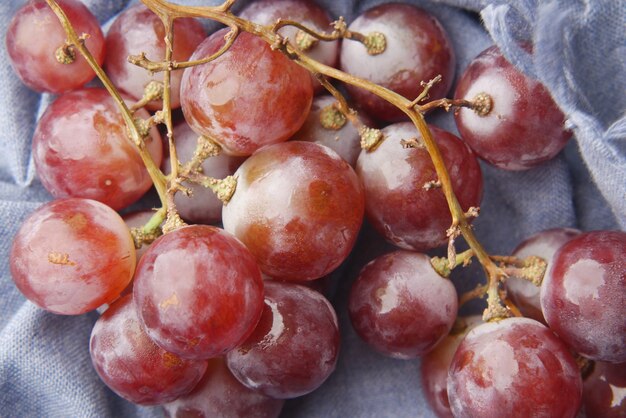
x: 271, y: 145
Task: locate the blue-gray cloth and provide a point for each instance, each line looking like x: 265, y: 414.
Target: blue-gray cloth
x: 579, y: 54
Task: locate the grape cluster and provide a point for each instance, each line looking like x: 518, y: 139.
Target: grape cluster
x: 208, y: 304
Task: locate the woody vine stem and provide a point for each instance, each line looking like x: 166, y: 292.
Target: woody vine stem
x: 167, y: 186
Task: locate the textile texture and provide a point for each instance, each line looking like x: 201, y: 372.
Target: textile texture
x: 579, y: 53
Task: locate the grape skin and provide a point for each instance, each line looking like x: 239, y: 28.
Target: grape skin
x: 251, y: 96
x: 72, y: 255
x: 137, y: 29
x: 582, y: 297
x: 400, y: 306
x: 294, y: 347
x: 132, y: 365
x: 81, y: 149
x: 298, y: 208
x: 515, y: 367
x: 34, y: 35
x: 604, y: 391
x: 524, y: 127
x: 198, y: 291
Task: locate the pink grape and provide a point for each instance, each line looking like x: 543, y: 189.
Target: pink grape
x: 198, y: 292
x: 81, y: 149
x: 524, y: 127
x: 583, y: 294
x: 298, y: 208
x: 35, y: 34
x: 400, y: 306
x: 219, y: 394
x: 132, y: 365
x: 515, y: 367
x: 397, y: 200
x: 294, y: 347
x: 72, y: 255
x: 251, y: 96
x: 417, y: 50
x: 137, y: 29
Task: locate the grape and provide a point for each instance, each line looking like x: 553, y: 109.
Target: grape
x: 72, y: 255
x: 418, y: 49
x: 583, y: 294
x: 249, y: 97
x: 298, y: 207
x: 81, y: 149
x: 524, y: 127
x: 202, y: 206
x: 198, y: 291
x: 397, y: 199
x: 345, y: 141
x: 219, y: 394
x: 435, y: 365
x: 132, y: 365
x: 137, y: 30
x: 400, y: 306
x: 515, y: 367
x: 294, y: 348
x: 267, y: 12
x: 35, y: 34
x: 604, y: 391
x: 543, y: 244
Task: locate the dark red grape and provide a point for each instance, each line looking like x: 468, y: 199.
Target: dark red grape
x: 583, y: 294
x: 132, y: 365
x: 298, y: 207
x: 418, y: 49
x: 400, y: 306
x: 604, y: 391
x: 81, y: 149
x: 35, y: 34
x: 515, y: 367
x: 435, y: 365
x: 202, y: 206
x: 72, y: 255
x: 524, y: 127
x: 137, y: 29
x: 251, y: 96
x: 398, y: 201
x: 219, y: 394
x: 345, y: 140
x: 267, y: 12
x: 294, y: 348
x: 198, y: 291
x: 543, y: 244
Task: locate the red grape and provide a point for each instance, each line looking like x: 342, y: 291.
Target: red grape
x: 298, y: 207
x: 398, y: 204
x: 35, y: 34
x: 604, y: 391
x: 435, y: 365
x: 543, y: 244
x: 515, y: 367
x: 72, y: 255
x: 219, y: 394
x: 198, y: 291
x: 81, y: 149
x: 345, y: 141
x: 400, y: 306
x: 583, y: 294
x: 249, y: 97
x: 136, y: 30
x: 267, y: 12
x: 418, y: 49
x: 294, y: 347
x: 202, y: 206
x: 524, y: 126
x: 132, y: 365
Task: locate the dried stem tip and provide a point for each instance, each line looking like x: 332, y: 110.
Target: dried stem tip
x: 304, y: 41
x: 65, y: 54
x: 375, y: 42
x: 370, y: 138
x: 332, y: 118
x: 482, y: 104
